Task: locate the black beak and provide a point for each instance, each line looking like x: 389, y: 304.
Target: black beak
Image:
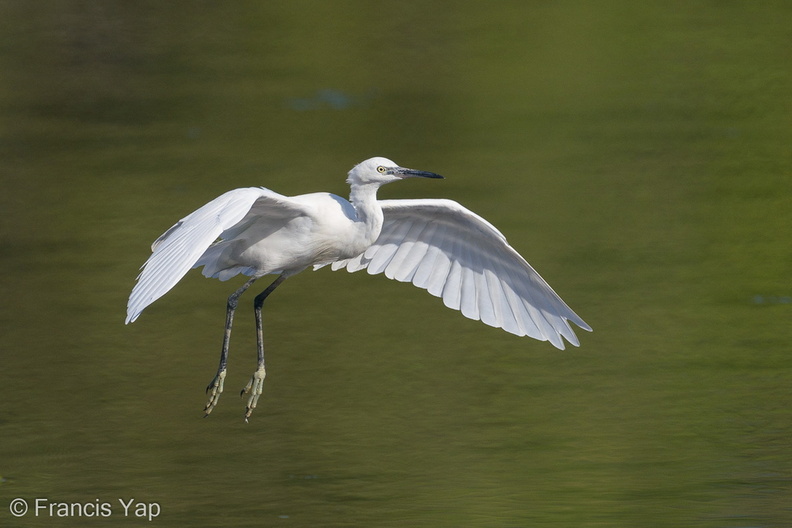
x: 412, y: 173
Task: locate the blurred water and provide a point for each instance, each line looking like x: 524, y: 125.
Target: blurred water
x: 638, y: 155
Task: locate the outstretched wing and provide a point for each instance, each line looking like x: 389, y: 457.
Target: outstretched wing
x: 453, y: 253
x: 180, y: 247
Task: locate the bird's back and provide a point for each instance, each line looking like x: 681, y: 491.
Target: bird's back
x: 325, y: 229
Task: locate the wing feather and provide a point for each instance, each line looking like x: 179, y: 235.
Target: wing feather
x: 455, y: 254
x: 434, y: 268
x: 400, y: 265
x: 468, y: 298
x: 452, y: 290
x: 487, y: 297
x: 416, y: 255
x: 501, y: 309
x: 381, y: 255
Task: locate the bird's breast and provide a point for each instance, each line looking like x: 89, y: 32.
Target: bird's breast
x: 339, y: 230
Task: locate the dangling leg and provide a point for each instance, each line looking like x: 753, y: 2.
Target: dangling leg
x: 215, y: 388
x: 256, y: 383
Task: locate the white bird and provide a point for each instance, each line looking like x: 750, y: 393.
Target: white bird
x: 436, y: 244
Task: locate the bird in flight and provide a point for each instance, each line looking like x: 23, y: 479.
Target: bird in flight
x: 436, y: 244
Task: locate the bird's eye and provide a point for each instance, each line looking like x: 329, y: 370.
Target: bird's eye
x: 381, y: 169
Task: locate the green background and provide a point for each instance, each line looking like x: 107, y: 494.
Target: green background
x: 638, y: 154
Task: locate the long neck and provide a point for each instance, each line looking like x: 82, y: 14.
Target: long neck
x: 364, y: 199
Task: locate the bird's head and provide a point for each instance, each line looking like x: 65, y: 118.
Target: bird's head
x: 380, y: 171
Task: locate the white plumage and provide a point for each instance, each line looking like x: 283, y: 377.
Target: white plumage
x: 436, y: 244
x: 453, y: 253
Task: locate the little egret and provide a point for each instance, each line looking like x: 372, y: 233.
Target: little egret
x: 438, y: 245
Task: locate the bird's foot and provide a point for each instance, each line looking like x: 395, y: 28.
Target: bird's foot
x: 214, y: 390
x: 254, y: 387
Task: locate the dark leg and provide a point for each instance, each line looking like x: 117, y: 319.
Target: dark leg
x: 215, y: 388
x: 256, y: 383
